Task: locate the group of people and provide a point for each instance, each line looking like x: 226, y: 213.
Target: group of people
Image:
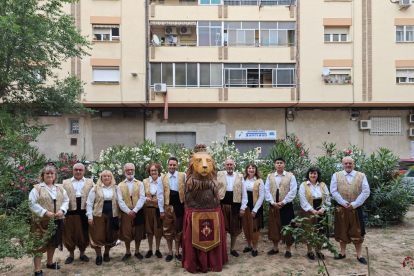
x: 99, y: 214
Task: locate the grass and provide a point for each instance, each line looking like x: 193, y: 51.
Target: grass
x: 159, y: 267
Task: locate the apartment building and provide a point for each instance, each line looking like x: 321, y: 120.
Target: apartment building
x: 193, y: 71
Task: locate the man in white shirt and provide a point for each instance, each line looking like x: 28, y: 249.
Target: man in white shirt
x: 350, y: 189
x: 280, y: 191
x: 75, y: 229
x: 170, y: 197
x: 131, y: 199
x: 232, y: 199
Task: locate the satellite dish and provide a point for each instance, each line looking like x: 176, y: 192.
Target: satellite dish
x: 325, y: 71
x: 155, y: 40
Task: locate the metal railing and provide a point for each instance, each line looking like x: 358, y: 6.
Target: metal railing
x: 226, y: 2
x: 173, y: 44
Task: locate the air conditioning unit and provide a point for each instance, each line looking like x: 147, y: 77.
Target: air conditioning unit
x: 365, y: 124
x: 160, y: 87
x: 171, y: 30
x: 411, y: 134
x: 411, y: 118
x: 405, y: 4
x: 184, y: 30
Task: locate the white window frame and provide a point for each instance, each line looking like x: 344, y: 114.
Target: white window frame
x: 105, y: 68
x: 386, y: 126
x: 199, y: 3
x: 404, y: 34
x: 407, y: 78
x: 331, y: 31
x: 209, y: 34
x: 336, y: 78
x: 71, y: 128
x: 111, y: 37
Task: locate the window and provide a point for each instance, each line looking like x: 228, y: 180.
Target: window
x: 405, y: 33
x: 339, y: 76
x: 73, y: 126
x: 106, y: 32
x: 405, y: 75
x: 106, y: 74
x: 209, y: 2
x: 209, y: 34
x: 259, y: 2
x: 336, y: 34
x: 386, y: 126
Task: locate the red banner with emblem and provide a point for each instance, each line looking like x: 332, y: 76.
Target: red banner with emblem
x: 206, y: 230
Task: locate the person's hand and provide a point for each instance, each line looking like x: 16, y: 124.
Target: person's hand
x: 131, y: 214
x: 149, y: 200
x: 275, y: 205
x: 90, y: 221
x: 349, y: 206
x: 314, y: 212
x: 155, y: 201
x: 64, y: 221
x: 253, y: 214
x: 241, y: 213
x: 59, y: 214
x: 280, y: 204
x: 162, y: 214
x: 321, y: 211
x: 49, y: 214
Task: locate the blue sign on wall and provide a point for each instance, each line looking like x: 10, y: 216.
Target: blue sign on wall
x: 256, y: 134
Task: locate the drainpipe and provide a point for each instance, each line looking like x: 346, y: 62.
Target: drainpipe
x: 146, y: 55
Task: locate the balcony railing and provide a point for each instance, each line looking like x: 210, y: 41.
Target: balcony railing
x: 227, y: 2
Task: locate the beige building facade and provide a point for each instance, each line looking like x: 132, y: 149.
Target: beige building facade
x: 337, y: 71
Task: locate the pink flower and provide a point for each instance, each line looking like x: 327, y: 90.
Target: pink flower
x: 64, y: 174
x: 300, y: 146
x: 23, y: 180
x: 350, y: 151
x: 21, y: 168
x: 2, y: 196
x: 303, y: 153
x: 28, y: 139
x: 296, y: 139
x: 12, y: 184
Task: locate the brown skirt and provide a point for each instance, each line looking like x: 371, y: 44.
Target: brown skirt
x: 172, y: 226
x: 231, y: 222
x: 153, y: 223
x: 74, y: 235
x: 100, y: 233
x: 128, y: 232
x: 249, y: 225
x: 347, y: 228
x: 275, y: 227
x: 40, y: 228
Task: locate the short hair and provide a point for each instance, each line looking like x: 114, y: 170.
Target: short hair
x: 257, y: 173
x: 314, y: 169
x: 173, y: 159
x: 129, y: 164
x: 45, y: 170
x: 280, y: 159
x: 158, y: 166
x: 228, y: 159
x: 78, y: 164
x: 100, y: 182
x: 348, y: 157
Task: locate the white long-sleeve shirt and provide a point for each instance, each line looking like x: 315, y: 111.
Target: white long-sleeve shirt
x: 248, y: 185
x: 291, y: 194
x: 230, y: 181
x: 360, y: 199
x: 108, y: 194
x: 173, y: 183
x: 316, y: 194
x: 34, y: 197
x: 78, y: 185
x: 140, y: 202
x: 154, y: 185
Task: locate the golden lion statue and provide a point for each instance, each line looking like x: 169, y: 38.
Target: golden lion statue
x: 201, y: 191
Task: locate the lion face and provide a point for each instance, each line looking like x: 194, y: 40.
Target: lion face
x: 203, y: 164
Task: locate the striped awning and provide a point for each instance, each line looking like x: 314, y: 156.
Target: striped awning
x: 173, y: 23
x: 106, y: 26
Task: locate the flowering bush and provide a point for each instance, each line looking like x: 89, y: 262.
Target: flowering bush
x: 408, y: 262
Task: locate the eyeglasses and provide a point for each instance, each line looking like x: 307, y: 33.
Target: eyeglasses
x: 78, y: 170
x: 153, y: 170
x: 130, y: 170
x: 49, y: 173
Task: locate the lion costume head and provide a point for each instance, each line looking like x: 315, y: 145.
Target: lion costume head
x: 201, y: 166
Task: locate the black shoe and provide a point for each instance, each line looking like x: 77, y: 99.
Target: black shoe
x: 234, y: 253
x: 169, y: 258
x: 272, y: 252
x: 254, y: 253
x: 321, y: 256
x: 106, y: 258
x: 53, y: 266
x: 247, y: 249
x: 362, y: 260
x: 288, y: 254
x: 178, y: 257
x: 84, y: 258
x: 149, y: 254
x: 99, y: 260
x: 39, y: 273
x: 138, y: 256
x: 158, y: 254
x: 311, y: 256
x: 69, y: 260
x: 126, y: 257
x: 340, y: 256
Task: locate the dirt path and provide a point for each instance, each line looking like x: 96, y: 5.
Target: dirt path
x: 388, y: 248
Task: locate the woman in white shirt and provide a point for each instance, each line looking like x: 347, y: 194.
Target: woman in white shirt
x: 153, y: 223
x: 102, y: 211
x: 48, y: 201
x: 314, y: 198
x: 253, y: 189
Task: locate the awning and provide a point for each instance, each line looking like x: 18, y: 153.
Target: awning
x: 106, y: 26
x: 173, y: 23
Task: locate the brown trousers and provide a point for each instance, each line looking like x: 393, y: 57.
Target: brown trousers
x: 172, y: 224
x: 248, y: 222
x: 100, y: 233
x: 347, y: 227
x: 231, y: 222
x: 74, y: 235
x: 153, y: 224
x: 275, y: 227
x: 312, y: 222
x: 41, y: 228
x: 128, y: 232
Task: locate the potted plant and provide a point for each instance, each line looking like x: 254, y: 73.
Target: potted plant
x: 349, y: 78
